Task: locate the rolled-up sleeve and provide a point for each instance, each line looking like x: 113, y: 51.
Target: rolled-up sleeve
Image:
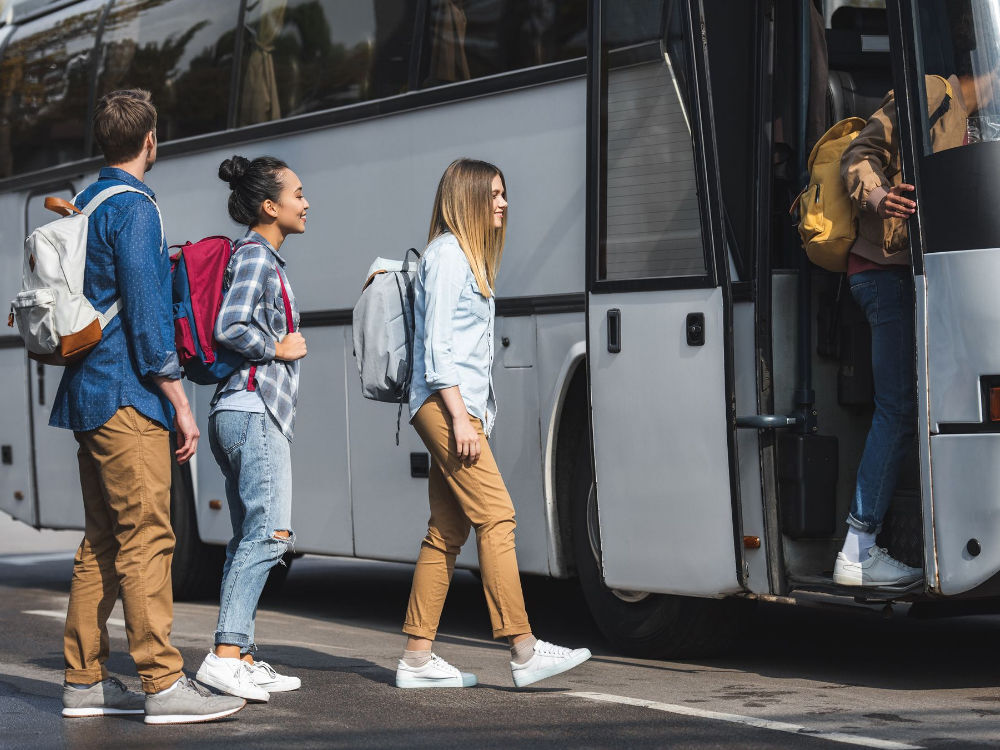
x: 143, y: 270
x: 235, y: 328
x: 866, y: 159
x: 443, y: 281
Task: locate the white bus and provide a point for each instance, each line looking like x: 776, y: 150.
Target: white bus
x: 683, y: 400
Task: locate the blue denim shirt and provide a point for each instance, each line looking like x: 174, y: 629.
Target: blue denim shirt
x: 453, y: 342
x: 126, y: 257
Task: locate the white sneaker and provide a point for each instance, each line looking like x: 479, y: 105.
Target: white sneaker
x: 548, y: 661
x: 878, y: 570
x: 232, y: 676
x: 264, y: 676
x: 435, y: 673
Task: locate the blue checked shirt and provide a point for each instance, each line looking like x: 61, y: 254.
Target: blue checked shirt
x: 252, y: 320
x: 126, y: 257
x: 453, y: 337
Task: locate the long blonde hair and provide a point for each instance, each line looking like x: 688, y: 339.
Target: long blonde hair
x: 464, y: 206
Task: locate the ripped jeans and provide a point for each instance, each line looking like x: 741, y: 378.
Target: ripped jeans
x: 255, y: 459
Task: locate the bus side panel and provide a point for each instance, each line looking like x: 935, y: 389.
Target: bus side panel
x: 963, y: 346
x: 16, y: 495
x: 319, y: 450
x: 966, y: 476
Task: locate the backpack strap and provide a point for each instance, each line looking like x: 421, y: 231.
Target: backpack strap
x: 92, y: 205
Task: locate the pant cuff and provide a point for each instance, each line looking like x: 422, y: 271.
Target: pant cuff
x: 222, y: 638
x: 418, y: 632
x: 156, y: 684
x: 86, y: 676
x: 867, y: 528
x: 511, y: 630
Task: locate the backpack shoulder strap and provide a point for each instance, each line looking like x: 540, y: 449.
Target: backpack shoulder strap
x: 108, y: 192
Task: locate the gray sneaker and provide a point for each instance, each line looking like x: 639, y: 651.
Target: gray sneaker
x: 187, y: 703
x: 107, y: 698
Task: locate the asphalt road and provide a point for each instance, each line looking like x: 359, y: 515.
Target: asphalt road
x: 800, y: 678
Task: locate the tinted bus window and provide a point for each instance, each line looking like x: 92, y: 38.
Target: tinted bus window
x: 306, y: 55
x: 44, y: 89
x: 473, y: 38
x: 179, y: 50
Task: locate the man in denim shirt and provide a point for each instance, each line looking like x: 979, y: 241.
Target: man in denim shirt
x: 121, y: 401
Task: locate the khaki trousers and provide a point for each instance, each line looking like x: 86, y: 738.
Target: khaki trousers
x: 464, y: 497
x: 127, y: 548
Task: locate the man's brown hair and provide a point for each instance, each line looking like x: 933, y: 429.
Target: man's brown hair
x: 121, y: 121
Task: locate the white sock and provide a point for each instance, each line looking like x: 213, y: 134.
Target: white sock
x: 167, y: 690
x: 857, y: 544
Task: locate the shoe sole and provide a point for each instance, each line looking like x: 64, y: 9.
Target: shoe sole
x: 190, y: 718
x: 419, y: 683
x: 80, y: 713
x: 558, y: 668
x: 860, y: 583
x: 219, y: 685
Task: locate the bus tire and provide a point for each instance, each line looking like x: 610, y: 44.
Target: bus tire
x: 642, y: 624
x: 196, y: 570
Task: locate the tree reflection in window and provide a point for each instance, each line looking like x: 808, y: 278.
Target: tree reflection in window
x: 44, y: 88
x: 181, y: 51
x: 306, y: 55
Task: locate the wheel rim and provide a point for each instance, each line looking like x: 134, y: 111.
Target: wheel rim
x: 594, y: 537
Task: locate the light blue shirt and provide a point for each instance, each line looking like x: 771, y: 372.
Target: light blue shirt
x: 453, y: 341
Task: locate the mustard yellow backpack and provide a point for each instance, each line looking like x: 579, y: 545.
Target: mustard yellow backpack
x: 827, y: 215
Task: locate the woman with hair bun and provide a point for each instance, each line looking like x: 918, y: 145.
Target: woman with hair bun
x: 453, y: 408
x: 253, y: 413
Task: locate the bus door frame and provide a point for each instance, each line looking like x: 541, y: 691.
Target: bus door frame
x: 650, y: 568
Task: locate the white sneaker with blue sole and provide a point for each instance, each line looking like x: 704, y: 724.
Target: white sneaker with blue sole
x: 437, y: 673
x: 547, y: 661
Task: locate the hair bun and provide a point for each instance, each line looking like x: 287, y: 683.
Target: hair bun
x: 232, y: 170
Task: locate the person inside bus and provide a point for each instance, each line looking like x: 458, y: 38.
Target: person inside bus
x: 453, y: 408
x: 250, y: 424
x: 882, y: 284
x: 121, y: 401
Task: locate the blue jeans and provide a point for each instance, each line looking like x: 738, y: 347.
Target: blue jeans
x: 256, y: 461
x: 886, y: 296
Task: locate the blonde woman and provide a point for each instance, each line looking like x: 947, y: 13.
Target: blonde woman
x: 452, y: 407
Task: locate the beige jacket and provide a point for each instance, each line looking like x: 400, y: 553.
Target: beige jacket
x: 870, y: 165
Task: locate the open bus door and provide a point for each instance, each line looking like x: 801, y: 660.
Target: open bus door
x: 955, y: 243
x: 659, y: 314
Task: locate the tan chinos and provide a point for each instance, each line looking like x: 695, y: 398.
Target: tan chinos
x: 127, y: 548
x: 463, y: 497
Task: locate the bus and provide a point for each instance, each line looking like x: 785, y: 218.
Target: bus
x: 683, y: 398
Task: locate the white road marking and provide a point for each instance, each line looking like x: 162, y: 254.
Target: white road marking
x: 22, y: 560
x: 55, y: 614
x: 778, y: 726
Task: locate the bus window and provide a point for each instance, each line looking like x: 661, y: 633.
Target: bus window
x: 961, y: 41
x: 44, y: 84
x: 651, y: 225
x: 473, y: 38
x: 181, y: 51
x: 306, y: 55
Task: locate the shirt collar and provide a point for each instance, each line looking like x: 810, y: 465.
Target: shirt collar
x: 114, y: 173
x: 259, y: 238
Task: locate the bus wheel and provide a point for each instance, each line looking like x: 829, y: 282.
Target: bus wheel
x: 197, y: 567
x: 638, y: 623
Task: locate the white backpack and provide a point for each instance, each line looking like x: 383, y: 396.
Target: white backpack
x: 58, y: 323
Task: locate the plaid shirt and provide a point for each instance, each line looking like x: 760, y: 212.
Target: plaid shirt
x: 252, y: 320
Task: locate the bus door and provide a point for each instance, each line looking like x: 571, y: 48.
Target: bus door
x: 955, y: 243
x: 56, y: 474
x: 659, y: 313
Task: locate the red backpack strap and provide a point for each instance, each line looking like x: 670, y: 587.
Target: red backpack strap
x: 251, y: 384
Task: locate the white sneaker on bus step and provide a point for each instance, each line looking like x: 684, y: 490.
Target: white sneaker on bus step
x: 264, y: 676
x: 231, y: 676
x: 437, y: 673
x: 880, y: 569
x: 547, y: 661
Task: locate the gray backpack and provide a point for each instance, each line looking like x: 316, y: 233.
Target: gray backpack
x: 383, y: 331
